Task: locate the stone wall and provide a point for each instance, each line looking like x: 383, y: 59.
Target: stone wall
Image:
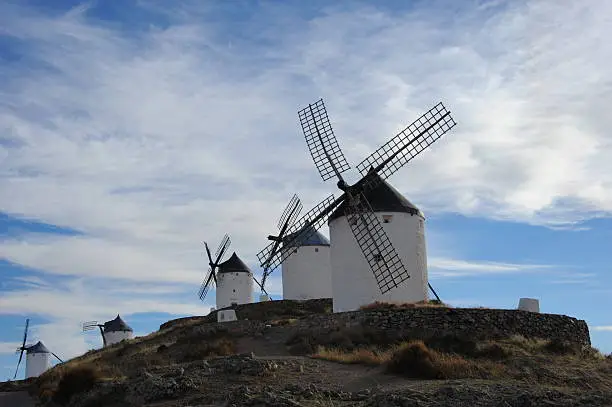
x: 477, y: 323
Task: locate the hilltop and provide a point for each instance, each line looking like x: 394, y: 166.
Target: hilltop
x: 289, y: 353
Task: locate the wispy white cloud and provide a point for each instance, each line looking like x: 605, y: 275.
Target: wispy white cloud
x: 9, y: 347
x: 149, y: 144
x: 602, y: 328
x: 588, y: 279
x: 444, y: 267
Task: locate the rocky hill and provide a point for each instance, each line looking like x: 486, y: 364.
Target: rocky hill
x: 287, y: 353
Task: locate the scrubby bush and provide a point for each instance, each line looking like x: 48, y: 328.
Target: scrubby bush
x: 74, y: 381
x: 415, y: 360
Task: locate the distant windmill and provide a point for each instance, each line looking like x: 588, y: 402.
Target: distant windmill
x: 306, y: 270
x: 37, y: 356
x: 113, y: 331
x: 233, y: 279
x: 366, y: 266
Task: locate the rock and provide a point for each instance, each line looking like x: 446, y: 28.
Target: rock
x: 148, y: 388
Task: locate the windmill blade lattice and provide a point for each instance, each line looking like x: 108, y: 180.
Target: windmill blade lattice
x: 407, y: 144
x: 225, y: 243
x: 270, y: 259
x: 22, y: 348
x: 386, y: 265
x: 211, y: 276
x: 293, y: 209
x: 90, y: 325
x: 205, y: 287
x: 321, y: 141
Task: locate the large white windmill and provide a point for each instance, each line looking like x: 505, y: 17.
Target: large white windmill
x: 38, y: 357
x: 378, y: 250
x: 233, y: 279
x: 306, y: 269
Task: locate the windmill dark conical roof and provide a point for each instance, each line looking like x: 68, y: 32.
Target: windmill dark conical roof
x: 39, y: 347
x: 315, y: 239
x: 233, y: 265
x: 383, y: 198
x: 117, y: 325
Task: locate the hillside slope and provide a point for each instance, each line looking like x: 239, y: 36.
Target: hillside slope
x: 197, y: 362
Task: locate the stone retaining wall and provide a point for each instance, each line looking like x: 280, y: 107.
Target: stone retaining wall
x: 476, y: 323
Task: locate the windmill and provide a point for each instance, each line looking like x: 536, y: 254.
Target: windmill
x: 113, y: 331
x: 306, y: 271
x: 375, y: 250
x: 233, y: 279
x: 37, y: 356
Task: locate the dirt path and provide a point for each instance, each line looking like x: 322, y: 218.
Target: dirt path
x: 16, y: 399
x: 271, y: 344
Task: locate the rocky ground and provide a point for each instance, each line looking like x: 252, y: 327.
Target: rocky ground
x: 197, y: 363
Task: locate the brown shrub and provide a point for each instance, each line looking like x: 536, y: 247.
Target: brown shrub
x: 74, y: 381
x: 415, y: 360
x: 459, y: 345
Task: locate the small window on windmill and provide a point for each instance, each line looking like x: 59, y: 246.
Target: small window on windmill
x: 234, y: 290
x: 387, y: 218
x: 316, y: 249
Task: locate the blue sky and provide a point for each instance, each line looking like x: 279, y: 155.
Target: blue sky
x: 129, y: 134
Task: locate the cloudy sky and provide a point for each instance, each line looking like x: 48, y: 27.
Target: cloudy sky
x: 132, y: 131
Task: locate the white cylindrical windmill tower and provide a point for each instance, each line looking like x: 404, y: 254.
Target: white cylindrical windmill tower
x: 353, y: 281
x: 306, y: 272
x: 116, y: 330
x: 38, y: 360
x: 234, y: 283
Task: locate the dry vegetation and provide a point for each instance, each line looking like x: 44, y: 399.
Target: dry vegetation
x: 516, y: 359
x: 551, y: 362
x: 178, y: 345
x: 403, y: 305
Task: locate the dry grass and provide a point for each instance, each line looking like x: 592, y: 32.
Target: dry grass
x: 119, y: 361
x: 518, y: 358
x: 403, y: 305
x: 414, y: 359
x: 356, y: 356
x: 301, y: 343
